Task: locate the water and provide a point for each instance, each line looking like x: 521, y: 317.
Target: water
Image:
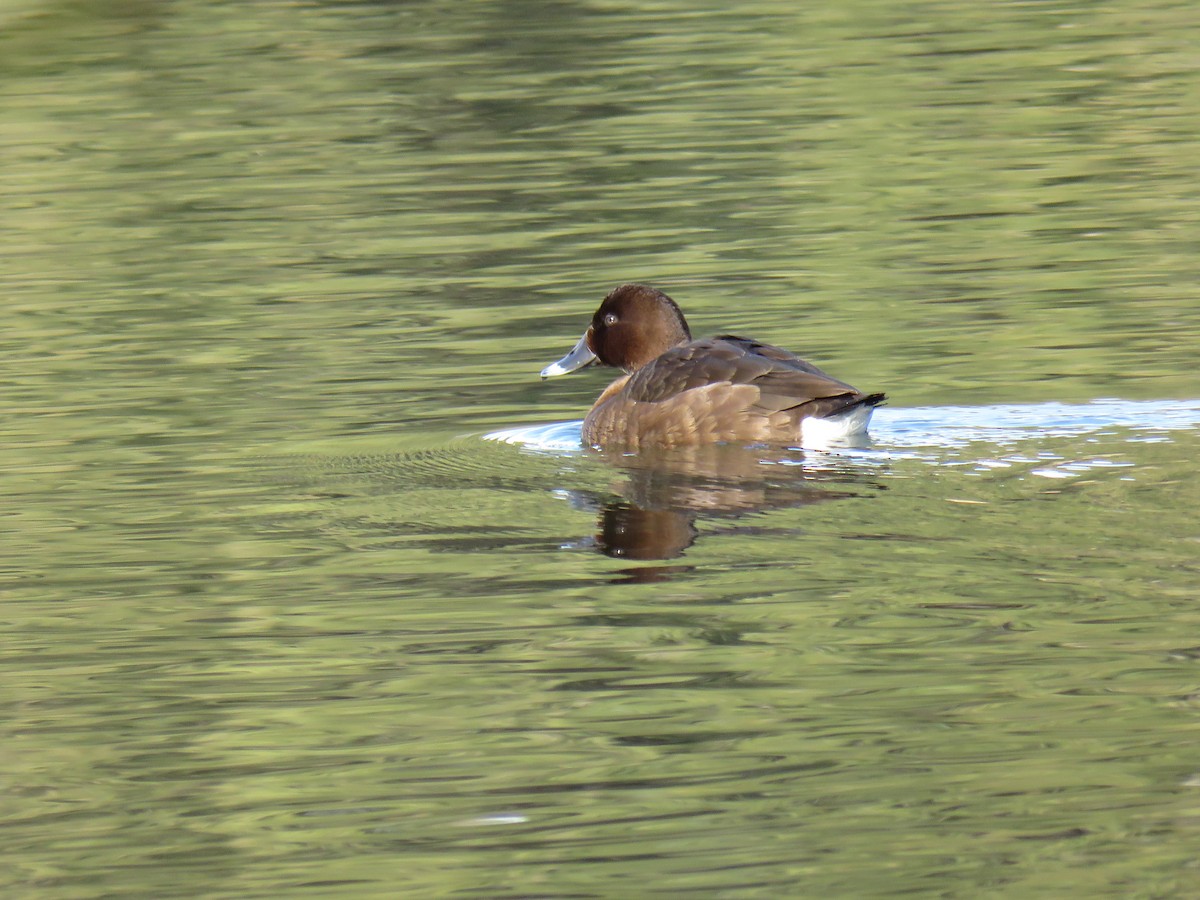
x: 280, y: 619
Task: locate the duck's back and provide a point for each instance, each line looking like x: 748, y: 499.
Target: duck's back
x: 725, y: 388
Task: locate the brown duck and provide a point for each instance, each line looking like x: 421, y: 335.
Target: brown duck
x: 680, y: 392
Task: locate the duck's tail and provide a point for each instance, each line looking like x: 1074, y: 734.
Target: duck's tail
x: 843, y: 426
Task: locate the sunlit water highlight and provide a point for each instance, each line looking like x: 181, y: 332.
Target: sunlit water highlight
x: 895, y: 430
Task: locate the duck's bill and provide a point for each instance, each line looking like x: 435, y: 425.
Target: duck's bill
x: 579, y: 357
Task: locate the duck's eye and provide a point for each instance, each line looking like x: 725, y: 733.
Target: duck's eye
x: 610, y: 319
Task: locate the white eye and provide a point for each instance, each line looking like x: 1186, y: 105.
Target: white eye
x: 610, y: 319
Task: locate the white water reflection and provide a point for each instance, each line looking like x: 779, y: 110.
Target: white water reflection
x: 897, y: 431
x: 958, y: 426
x: 559, y: 437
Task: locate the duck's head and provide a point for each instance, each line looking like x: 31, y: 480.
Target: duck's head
x: 634, y: 325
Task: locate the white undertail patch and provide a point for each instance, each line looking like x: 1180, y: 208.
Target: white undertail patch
x: 847, y: 429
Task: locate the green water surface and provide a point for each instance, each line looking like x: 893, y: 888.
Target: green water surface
x: 280, y: 622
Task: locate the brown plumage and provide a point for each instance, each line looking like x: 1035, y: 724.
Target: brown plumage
x: 680, y: 391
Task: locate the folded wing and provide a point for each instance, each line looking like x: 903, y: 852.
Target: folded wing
x: 784, y: 382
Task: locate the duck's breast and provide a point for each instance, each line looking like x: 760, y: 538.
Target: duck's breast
x: 702, y: 415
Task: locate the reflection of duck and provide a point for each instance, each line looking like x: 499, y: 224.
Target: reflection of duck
x: 681, y: 392
x: 625, y: 531
x: 664, y: 492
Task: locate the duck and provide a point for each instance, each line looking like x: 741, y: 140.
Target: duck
x: 676, y: 391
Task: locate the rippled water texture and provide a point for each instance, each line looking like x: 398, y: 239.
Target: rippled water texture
x: 281, y: 620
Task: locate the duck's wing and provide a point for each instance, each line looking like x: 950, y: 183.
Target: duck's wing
x: 784, y: 381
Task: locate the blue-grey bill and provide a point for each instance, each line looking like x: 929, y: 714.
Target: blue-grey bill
x: 579, y: 357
